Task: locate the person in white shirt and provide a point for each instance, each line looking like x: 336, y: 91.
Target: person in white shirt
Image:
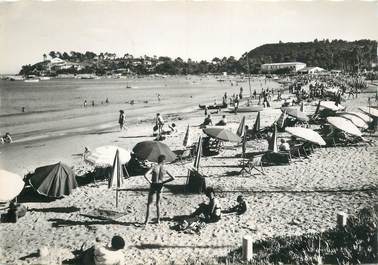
x: 110, y: 254
x: 284, y: 145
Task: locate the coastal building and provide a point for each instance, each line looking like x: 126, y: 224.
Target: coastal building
x: 311, y: 70
x: 293, y: 66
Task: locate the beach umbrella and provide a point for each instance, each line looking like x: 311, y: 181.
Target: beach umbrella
x: 54, y: 180
x: 331, y: 105
x: 360, y: 123
x: 151, y: 150
x: 306, y: 134
x: 366, y: 118
x: 281, y: 120
x: 302, y: 107
x: 370, y: 111
x: 104, y: 156
x: 344, y: 125
x: 186, y: 141
x: 273, y: 141
x: 198, y: 154
x: 222, y: 134
x: 256, y: 126
x: 116, y: 177
x: 240, y: 130
x: 11, y: 185
x: 293, y: 112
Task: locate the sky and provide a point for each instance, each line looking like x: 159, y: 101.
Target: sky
x: 187, y: 29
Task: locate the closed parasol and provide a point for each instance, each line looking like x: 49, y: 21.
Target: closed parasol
x: 331, y: 105
x: 306, y: 134
x: 222, y: 134
x: 116, y: 178
x: 344, y: 125
x: 54, y: 180
x: 370, y: 111
x: 240, y: 130
x: 104, y: 156
x: 151, y: 150
x: 293, y: 112
x: 186, y: 141
x: 272, y: 143
x: 360, y: 123
x: 11, y: 185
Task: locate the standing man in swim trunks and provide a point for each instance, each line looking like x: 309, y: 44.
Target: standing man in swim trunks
x: 157, y: 181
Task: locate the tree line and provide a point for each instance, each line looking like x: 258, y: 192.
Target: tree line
x: 336, y: 54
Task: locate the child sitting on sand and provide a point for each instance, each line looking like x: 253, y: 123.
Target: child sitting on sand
x: 210, y: 211
x: 206, y: 122
x: 222, y: 122
x: 239, y: 208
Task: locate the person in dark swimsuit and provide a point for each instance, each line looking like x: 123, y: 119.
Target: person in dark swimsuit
x: 157, y: 181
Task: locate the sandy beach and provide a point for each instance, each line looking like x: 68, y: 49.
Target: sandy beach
x: 301, y: 197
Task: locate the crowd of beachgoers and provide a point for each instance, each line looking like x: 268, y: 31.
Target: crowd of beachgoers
x: 275, y: 160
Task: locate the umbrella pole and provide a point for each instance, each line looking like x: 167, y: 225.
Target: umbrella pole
x: 117, y: 198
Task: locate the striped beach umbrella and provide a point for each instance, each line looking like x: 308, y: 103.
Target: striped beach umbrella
x: 240, y: 130
x: 116, y: 177
x: 186, y: 141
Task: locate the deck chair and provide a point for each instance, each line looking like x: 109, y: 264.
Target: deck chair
x: 185, y: 154
x: 249, y: 164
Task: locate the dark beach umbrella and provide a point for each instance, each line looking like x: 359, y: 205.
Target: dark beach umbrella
x: 273, y: 141
x: 54, y: 180
x: 198, y: 154
x: 256, y: 126
x: 293, y: 112
x: 222, y: 134
x: 151, y: 150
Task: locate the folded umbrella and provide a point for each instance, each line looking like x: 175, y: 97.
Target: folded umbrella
x: 306, y: 134
x: 222, y: 134
x: 344, y: 125
x: 104, y: 156
x: 11, y: 185
x: 54, y: 180
x: 151, y: 150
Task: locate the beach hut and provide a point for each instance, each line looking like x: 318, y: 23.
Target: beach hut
x: 11, y: 185
x: 54, y: 180
x: 116, y: 177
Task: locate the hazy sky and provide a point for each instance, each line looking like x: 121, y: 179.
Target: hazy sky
x: 198, y: 30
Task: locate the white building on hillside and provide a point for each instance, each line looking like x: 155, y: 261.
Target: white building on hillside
x: 293, y: 66
x: 311, y: 70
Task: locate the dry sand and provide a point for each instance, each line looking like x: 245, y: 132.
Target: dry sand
x: 292, y: 199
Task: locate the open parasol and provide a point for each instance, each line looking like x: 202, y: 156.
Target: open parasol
x: 222, y: 134
x: 363, y: 116
x: 331, y: 105
x: 360, y: 123
x: 306, y: 134
x: 370, y: 111
x: 11, y: 185
x: 151, y: 150
x: 299, y: 115
x: 344, y: 125
x: 54, y: 180
x: 104, y: 156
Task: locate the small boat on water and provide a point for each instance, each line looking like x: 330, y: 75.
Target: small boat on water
x: 253, y: 108
x: 31, y: 80
x: 44, y: 78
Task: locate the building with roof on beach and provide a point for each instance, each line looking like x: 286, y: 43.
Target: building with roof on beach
x: 311, y: 70
x: 272, y: 67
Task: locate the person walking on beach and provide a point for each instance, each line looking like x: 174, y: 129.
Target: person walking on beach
x: 85, y: 103
x: 159, y: 123
x: 122, y: 120
x: 157, y: 181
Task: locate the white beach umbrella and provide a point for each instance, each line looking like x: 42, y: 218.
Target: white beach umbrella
x: 331, y: 105
x: 306, y: 134
x: 366, y: 118
x: 104, y: 156
x: 344, y: 125
x: 360, y: 123
x: 370, y: 111
x: 11, y: 185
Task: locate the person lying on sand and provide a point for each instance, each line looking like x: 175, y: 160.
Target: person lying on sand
x: 6, y: 139
x: 211, y: 211
x: 110, y: 254
x: 157, y: 181
x: 239, y: 208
